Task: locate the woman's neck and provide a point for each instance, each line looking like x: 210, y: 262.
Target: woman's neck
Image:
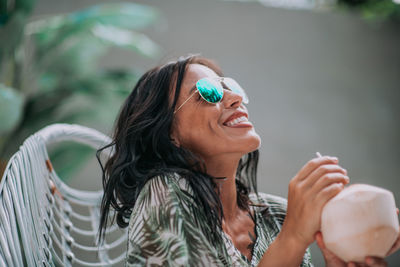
x: 226, y: 168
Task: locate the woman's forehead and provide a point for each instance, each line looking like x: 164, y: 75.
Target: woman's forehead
x: 195, y: 72
x: 198, y: 69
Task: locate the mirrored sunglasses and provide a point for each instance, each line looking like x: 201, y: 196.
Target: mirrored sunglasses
x: 212, y: 90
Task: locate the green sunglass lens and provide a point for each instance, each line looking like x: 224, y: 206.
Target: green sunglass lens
x: 236, y: 88
x: 210, y: 90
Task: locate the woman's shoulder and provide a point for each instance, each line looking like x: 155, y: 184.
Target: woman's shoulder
x: 166, y: 194
x: 164, y: 227
x: 169, y: 186
x: 275, y: 205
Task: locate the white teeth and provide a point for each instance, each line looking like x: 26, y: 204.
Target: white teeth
x: 236, y: 121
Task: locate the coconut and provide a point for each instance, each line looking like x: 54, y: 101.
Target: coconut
x: 360, y: 221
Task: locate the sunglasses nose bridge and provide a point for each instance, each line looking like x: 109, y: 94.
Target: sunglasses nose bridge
x: 226, y: 87
x: 231, y: 98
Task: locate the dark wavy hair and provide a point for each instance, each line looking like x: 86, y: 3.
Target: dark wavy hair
x: 142, y: 149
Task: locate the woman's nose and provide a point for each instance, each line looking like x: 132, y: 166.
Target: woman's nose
x: 231, y: 99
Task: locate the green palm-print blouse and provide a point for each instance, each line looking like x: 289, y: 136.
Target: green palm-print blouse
x: 167, y: 228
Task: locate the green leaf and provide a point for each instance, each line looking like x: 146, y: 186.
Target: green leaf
x: 11, y: 107
x: 75, y: 58
x: 8, y: 8
x: 79, y: 101
x: 118, y: 82
x: 58, y: 28
x: 25, y: 5
x: 126, y: 15
x: 372, y: 10
x: 12, y: 32
x: 380, y: 10
x: 138, y: 42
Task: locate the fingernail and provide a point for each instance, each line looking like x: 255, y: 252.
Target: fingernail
x: 347, y: 178
x: 369, y: 261
x: 334, y: 158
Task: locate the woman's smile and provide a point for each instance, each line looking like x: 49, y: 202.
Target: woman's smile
x: 238, y: 119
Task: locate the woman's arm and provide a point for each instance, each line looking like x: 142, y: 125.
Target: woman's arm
x: 284, y: 251
x: 317, y: 182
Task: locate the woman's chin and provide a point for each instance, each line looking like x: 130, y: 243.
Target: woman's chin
x: 251, y: 143
x: 256, y: 144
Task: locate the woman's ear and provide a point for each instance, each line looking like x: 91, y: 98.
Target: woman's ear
x: 173, y: 135
x: 174, y: 139
x: 175, y: 142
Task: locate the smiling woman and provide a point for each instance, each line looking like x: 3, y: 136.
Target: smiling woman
x: 182, y: 176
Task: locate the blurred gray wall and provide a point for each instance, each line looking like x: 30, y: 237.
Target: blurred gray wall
x: 317, y: 81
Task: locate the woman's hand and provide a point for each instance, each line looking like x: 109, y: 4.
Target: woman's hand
x: 396, y: 245
x: 331, y: 260
x: 316, y: 183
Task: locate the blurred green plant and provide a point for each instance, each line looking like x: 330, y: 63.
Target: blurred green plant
x: 375, y: 10
x: 49, y: 71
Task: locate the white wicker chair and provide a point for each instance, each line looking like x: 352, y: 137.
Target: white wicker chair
x: 44, y: 222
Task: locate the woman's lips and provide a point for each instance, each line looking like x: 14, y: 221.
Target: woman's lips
x: 238, y: 122
x: 241, y: 125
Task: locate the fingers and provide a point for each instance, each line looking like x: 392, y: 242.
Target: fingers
x: 330, y: 258
x: 328, y: 179
x: 369, y: 262
x: 375, y: 262
x: 353, y: 264
x: 303, y: 212
x: 321, y: 171
x: 313, y: 164
x: 356, y: 264
x: 328, y: 192
x: 395, y: 247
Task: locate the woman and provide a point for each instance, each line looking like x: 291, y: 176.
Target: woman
x: 183, y: 177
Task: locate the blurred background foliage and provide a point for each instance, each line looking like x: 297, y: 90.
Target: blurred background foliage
x: 50, y: 71
x: 373, y: 10
x: 376, y: 10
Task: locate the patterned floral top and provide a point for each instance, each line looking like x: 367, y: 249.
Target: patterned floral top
x: 166, y: 228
